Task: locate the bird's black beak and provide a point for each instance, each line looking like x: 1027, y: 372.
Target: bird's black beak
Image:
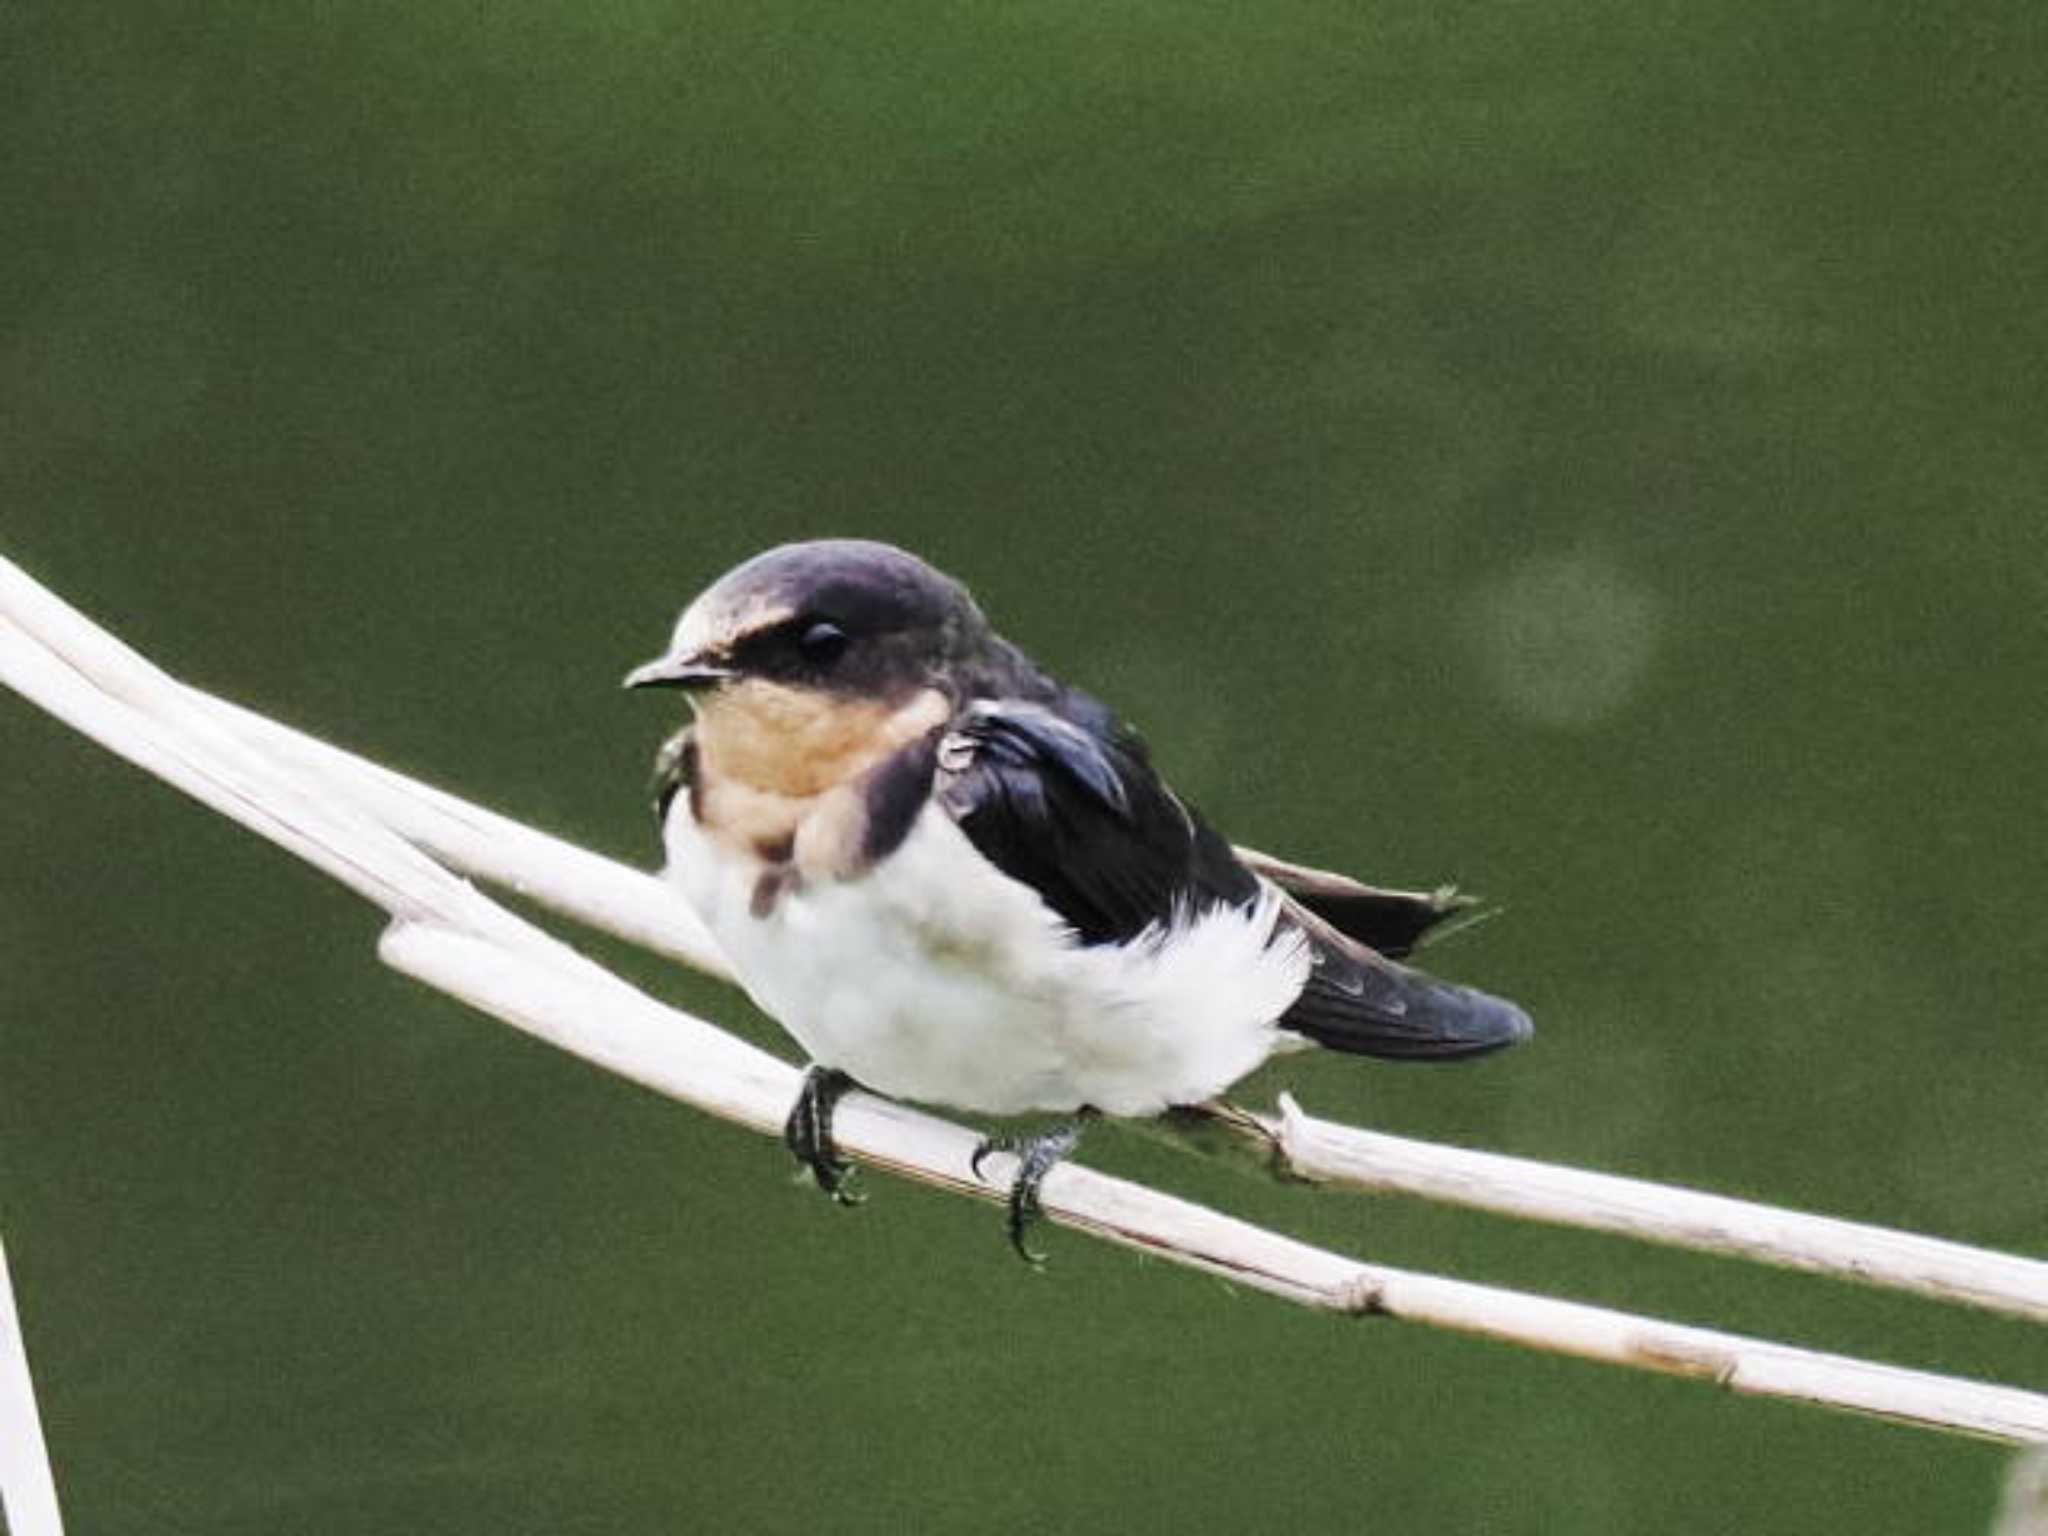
x: 687, y: 672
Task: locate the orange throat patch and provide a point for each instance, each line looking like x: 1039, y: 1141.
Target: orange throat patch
x: 779, y: 768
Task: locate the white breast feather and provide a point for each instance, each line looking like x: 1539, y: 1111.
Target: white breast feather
x: 934, y: 976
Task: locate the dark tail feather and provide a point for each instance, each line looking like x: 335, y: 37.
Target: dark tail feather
x: 1392, y: 922
x: 1396, y: 922
x: 1360, y: 1002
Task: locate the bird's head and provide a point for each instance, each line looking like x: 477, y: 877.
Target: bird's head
x: 802, y: 657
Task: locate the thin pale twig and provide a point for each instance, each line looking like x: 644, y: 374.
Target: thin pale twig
x: 368, y: 828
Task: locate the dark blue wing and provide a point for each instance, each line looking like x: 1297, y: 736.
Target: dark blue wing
x: 1073, y: 810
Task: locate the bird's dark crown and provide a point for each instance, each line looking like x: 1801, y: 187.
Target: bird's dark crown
x: 848, y: 615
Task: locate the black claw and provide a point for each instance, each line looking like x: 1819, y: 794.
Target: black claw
x: 808, y: 1133
x: 1036, y: 1156
x: 988, y: 1144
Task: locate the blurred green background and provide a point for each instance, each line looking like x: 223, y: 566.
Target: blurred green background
x: 1594, y: 451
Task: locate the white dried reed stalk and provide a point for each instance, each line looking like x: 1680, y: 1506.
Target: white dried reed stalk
x: 640, y: 908
x: 28, y: 1492
x: 381, y: 835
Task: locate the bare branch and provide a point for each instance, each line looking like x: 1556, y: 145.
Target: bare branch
x: 1324, y: 1151
x: 632, y: 1034
x: 28, y: 1493
x: 360, y: 823
x: 598, y: 892
x: 638, y: 907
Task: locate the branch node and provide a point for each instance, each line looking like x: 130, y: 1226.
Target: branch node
x: 1363, y: 1295
x: 1682, y: 1357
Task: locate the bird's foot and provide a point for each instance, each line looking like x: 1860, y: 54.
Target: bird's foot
x: 1036, y: 1157
x: 808, y: 1133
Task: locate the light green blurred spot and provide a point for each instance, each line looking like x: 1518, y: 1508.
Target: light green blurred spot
x: 1565, y: 640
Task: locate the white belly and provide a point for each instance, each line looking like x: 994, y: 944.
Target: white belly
x: 934, y: 976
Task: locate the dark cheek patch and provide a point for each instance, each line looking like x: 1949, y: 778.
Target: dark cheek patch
x: 693, y: 781
x: 894, y: 792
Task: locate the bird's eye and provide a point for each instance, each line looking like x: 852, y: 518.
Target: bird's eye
x: 822, y: 643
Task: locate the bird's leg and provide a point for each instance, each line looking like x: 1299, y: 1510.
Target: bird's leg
x: 808, y: 1132
x: 1036, y: 1157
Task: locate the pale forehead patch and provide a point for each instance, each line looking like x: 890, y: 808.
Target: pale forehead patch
x: 718, y: 620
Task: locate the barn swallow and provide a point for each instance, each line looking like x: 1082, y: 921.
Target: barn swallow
x: 953, y: 878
